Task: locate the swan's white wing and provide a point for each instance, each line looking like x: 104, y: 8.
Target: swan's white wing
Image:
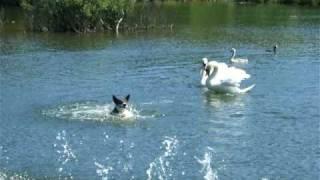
x: 229, y: 83
x: 227, y: 76
x: 230, y: 74
x: 227, y: 79
x: 235, y: 75
x: 224, y: 76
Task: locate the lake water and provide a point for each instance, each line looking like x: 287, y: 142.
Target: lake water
x: 56, y: 92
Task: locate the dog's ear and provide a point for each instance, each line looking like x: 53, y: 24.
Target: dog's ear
x: 116, y: 100
x: 127, y: 97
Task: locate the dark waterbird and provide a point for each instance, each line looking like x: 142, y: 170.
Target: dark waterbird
x: 274, y: 49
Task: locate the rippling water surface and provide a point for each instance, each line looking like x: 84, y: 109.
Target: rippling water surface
x: 56, y: 91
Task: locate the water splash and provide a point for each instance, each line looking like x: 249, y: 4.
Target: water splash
x: 102, y: 170
x: 91, y: 111
x: 15, y: 176
x: 160, y: 167
x: 65, y: 152
x: 3, y: 176
x: 207, y: 170
x: 121, y: 164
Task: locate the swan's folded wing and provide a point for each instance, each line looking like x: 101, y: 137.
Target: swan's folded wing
x: 236, y: 74
x: 229, y: 82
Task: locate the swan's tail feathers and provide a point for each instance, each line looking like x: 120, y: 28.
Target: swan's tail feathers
x: 245, y: 90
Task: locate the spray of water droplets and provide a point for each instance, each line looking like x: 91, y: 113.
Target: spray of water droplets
x: 160, y: 167
x: 65, y: 153
x: 207, y: 169
x: 103, y: 171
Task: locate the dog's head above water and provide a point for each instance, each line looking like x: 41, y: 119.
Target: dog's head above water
x: 121, y: 105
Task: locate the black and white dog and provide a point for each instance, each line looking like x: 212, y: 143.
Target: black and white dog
x: 121, y: 108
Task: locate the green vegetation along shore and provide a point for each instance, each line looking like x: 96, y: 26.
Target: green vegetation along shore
x: 97, y: 15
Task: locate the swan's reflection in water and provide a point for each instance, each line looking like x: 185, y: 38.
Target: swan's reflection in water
x: 221, y: 101
x: 228, y: 116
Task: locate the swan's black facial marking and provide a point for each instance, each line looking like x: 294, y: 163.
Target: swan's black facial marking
x: 204, y: 64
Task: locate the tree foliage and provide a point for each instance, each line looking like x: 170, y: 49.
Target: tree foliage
x: 75, y: 15
x: 99, y: 15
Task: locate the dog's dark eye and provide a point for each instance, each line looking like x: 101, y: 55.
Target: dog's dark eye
x: 124, y: 105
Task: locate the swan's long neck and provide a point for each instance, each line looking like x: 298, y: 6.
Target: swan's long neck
x: 213, y: 73
x: 203, y: 77
x: 233, y: 54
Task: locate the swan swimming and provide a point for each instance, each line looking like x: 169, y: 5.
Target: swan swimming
x: 237, y: 60
x: 223, y: 79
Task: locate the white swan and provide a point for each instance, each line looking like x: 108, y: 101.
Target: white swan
x: 237, y: 60
x: 203, y: 74
x: 224, y: 79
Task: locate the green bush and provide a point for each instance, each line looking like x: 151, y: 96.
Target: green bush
x: 75, y: 15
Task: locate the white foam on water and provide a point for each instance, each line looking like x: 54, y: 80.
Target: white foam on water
x: 65, y: 152
x: 102, y: 171
x: 6, y: 176
x: 160, y: 168
x: 89, y: 111
x: 3, y: 176
x: 207, y: 170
